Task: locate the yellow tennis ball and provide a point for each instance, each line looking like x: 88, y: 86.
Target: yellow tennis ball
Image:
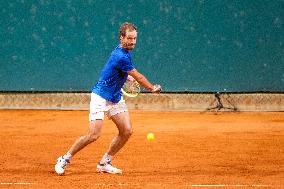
x: 150, y: 136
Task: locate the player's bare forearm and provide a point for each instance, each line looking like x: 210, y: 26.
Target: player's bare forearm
x: 142, y: 80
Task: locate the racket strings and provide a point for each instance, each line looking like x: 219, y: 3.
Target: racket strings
x: 131, y: 88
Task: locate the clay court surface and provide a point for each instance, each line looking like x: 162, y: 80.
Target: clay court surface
x: 191, y: 150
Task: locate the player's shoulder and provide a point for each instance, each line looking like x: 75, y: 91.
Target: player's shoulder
x: 120, y: 54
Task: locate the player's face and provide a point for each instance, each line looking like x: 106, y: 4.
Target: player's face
x: 128, y: 42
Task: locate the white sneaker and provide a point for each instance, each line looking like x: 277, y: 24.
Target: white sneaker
x: 61, y: 165
x: 108, y: 168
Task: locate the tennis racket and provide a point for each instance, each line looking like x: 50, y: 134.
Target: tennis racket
x: 131, y: 88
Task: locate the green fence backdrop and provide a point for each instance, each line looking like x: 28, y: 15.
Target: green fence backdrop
x: 185, y: 45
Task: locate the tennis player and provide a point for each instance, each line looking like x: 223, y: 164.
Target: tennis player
x: 106, y: 97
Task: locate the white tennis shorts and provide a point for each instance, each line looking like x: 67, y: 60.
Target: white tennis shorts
x: 100, y: 106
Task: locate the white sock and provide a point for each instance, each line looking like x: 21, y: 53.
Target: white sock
x: 106, y: 158
x: 67, y: 156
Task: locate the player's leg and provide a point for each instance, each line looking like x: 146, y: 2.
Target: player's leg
x: 97, y: 107
x: 96, y: 117
x: 92, y: 135
x: 123, y: 124
x: 120, y: 116
x: 122, y: 121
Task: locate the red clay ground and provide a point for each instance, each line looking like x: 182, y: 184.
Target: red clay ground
x: 191, y: 150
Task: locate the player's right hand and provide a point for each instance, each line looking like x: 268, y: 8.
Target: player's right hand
x: 157, y: 89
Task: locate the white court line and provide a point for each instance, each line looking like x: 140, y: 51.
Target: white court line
x: 16, y: 183
x: 153, y: 184
x: 228, y: 185
x: 185, y: 185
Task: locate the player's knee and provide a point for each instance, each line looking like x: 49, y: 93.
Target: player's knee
x: 93, y: 138
x: 127, y: 133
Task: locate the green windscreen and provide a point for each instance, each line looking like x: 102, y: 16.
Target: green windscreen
x: 184, y: 45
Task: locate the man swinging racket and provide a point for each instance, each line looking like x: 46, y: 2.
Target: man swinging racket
x: 106, y: 97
